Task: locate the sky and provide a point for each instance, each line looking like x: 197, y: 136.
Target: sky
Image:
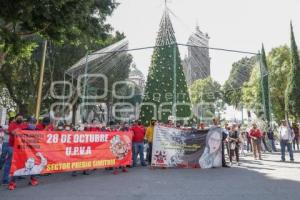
x: 231, y: 24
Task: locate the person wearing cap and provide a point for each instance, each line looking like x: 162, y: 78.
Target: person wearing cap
x: 149, y: 138
x: 138, y: 142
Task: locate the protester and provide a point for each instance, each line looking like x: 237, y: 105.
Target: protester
x: 5, y: 158
x: 255, y: 135
x: 271, y: 138
x: 225, y: 142
x: 45, y: 125
x: 233, y: 139
x: 60, y: 126
x: 74, y: 173
x: 266, y: 148
x: 297, y: 136
x: 13, y: 127
x: 95, y: 126
x: 138, y: 143
x: 31, y: 123
x: 242, y: 143
x: 249, y: 144
x: 202, y: 126
x: 125, y: 127
x: 114, y: 127
x: 286, y: 138
x: 149, y: 138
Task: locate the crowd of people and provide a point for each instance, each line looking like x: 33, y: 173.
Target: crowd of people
x: 236, y: 141
x: 254, y: 140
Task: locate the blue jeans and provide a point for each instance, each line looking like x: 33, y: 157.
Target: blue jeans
x: 272, y: 141
x: 5, y: 160
x: 283, y: 144
x: 138, y: 149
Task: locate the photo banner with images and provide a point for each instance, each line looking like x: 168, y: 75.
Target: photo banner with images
x: 41, y: 152
x: 182, y: 148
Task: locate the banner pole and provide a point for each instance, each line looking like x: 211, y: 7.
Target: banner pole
x: 39, y: 96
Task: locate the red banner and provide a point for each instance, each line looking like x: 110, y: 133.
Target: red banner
x: 40, y: 152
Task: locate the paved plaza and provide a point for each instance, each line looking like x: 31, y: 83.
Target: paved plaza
x: 267, y: 179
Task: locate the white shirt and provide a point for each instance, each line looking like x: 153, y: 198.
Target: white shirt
x: 284, y: 133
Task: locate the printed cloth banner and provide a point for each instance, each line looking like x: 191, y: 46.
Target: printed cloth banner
x: 174, y: 147
x: 40, y: 152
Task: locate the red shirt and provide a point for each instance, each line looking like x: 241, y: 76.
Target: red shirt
x: 11, y: 128
x: 255, y: 133
x: 94, y: 128
x: 42, y: 127
x: 138, y: 134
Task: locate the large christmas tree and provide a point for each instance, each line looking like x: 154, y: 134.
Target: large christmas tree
x: 166, y: 85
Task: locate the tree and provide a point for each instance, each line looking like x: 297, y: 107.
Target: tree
x: 239, y: 74
x: 292, y: 95
x: 21, y: 77
x: 205, y: 93
x: 251, y: 93
x: 279, y: 63
x: 161, y: 96
x: 57, y: 20
x: 264, y: 72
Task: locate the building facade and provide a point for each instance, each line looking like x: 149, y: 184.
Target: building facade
x: 196, y: 64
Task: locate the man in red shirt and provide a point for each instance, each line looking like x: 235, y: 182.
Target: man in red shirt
x: 256, y: 135
x: 138, y: 142
x: 45, y: 125
x: 18, y: 124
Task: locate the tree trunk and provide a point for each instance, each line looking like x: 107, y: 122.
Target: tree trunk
x: 2, y: 58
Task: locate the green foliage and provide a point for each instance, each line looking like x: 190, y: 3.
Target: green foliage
x: 71, y: 26
x: 206, y: 92
x: 279, y: 63
x: 64, y: 21
x: 239, y: 74
x: 265, y: 85
x: 159, y: 87
x: 251, y: 92
x: 292, y: 95
x: 21, y: 76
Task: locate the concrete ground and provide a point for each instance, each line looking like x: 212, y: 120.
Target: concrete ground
x: 267, y: 179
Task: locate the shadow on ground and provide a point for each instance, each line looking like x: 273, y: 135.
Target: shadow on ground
x: 246, y: 183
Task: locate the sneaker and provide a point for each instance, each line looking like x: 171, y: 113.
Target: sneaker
x: 238, y: 164
x: 34, y: 182
x: 260, y: 158
x: 144, y: 164
x: 292, y: 160
x: 124, y: 170
x: 12, y: 186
